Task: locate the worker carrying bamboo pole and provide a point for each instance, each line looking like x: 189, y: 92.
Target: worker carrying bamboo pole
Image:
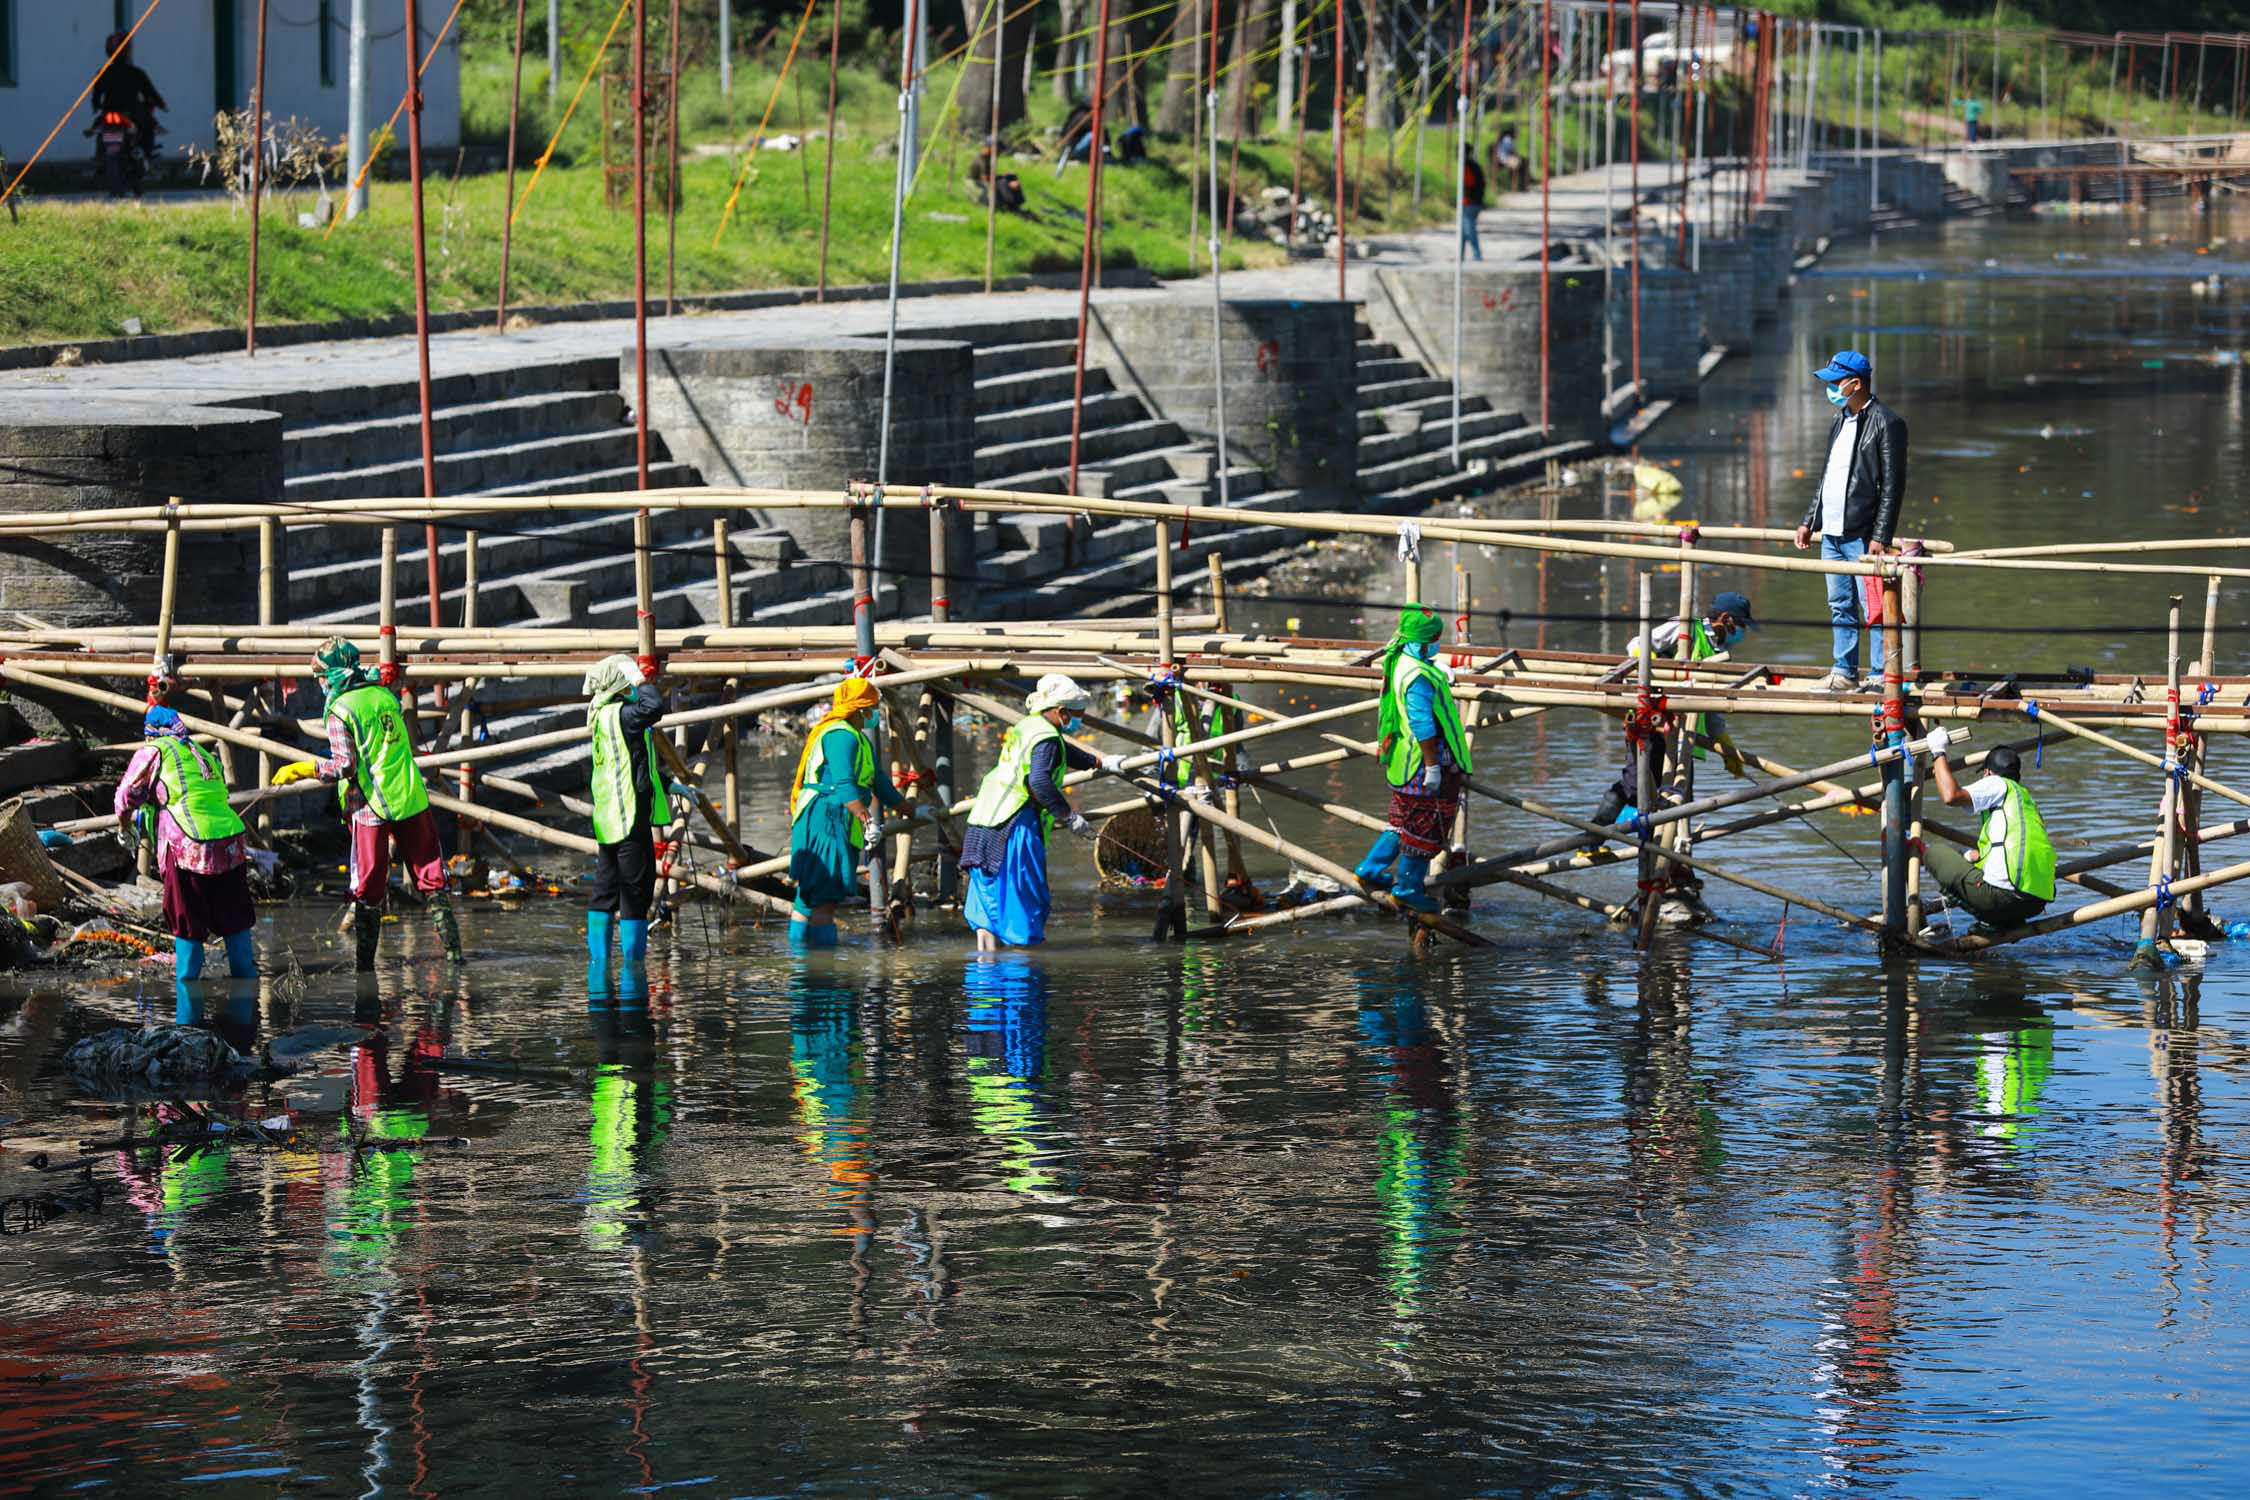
x: 623, y: 708
x: 175, y: 793
x: 2013, y: 876
x: 383, y: 797
x: 1425, y: 755
x: 1004, y: 847
x: 1721, y: 629
x: 840, y: 782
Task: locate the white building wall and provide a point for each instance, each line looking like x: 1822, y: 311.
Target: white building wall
x: 58, y: 45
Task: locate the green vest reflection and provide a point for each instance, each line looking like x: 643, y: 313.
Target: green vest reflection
x: 1006, y: 1041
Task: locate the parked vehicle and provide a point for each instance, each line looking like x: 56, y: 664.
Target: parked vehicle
x: 1661, y: 47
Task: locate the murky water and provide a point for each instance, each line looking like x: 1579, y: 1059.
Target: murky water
x: 1301, y: 1215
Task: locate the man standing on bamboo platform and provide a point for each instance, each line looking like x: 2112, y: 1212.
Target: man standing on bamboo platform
x: 1856, y: 507
x: 1425, y: 755
x: 630, y: 803
x: 2013, y: 877
x: 1004, y: 847
x: 371, y: 754
x: 202, y: 854
x: 834, y: 812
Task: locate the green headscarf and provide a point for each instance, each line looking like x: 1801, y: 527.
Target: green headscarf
x: 337, y: 660
x: 1418, y: 625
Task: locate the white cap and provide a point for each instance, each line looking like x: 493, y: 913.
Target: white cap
x: 1056, y: 690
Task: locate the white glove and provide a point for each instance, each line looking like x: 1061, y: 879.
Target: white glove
x: 1114, y: 764
x: 873, y: 839
x: 1937, y: 739
x: 1427, y: 781
x: 1077, y: 824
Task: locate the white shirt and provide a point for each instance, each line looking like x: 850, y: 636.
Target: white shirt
x: 1988, y: 794
x: 1838, y: 472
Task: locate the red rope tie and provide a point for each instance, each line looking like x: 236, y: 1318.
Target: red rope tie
x: 651, y: 668
x: 1690, y: 534
x: 860, y: 602
x: 942, y: 602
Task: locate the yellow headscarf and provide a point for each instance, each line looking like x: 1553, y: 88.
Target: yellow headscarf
x: 852, y: 695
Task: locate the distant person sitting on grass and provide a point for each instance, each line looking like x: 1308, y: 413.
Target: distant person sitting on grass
x: 1003, y: 190
x: 1078, y: 137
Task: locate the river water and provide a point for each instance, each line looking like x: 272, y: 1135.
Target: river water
x: 1301, y: 1215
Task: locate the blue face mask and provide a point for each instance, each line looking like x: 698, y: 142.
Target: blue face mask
x: 1734, y: 636
x: 1074, y: 723
x: 1836, y: 395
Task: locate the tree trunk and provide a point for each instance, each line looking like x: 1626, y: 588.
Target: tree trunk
x: 1074, y: 18
x: 974, y: 112
x: 1126, y: 102
x: 1253, y: 31
x: 1376, y: 79
x: 1176, y: 115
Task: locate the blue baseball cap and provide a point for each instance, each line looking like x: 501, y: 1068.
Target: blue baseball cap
x: 1847, y: 363
x: 1737, y: 605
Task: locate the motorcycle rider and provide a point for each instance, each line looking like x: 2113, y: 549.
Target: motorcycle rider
x: 126, y: 89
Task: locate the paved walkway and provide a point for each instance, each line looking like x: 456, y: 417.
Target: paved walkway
x: 1580, y: 204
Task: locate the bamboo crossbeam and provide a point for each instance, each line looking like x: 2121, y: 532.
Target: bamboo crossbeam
x: 2047, y: 715
x: 2094, y: 911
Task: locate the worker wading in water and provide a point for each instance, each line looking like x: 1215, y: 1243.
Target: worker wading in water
x: 382, y: 795
x: 833, y: 800
x: 1004, y: 848
x: 630, y: 803
x: 2013, y: 875
x: 175, y: 794
x: 1425, y: 757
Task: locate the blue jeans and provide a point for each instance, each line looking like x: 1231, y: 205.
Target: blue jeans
x: 1469, y: 212
x: 1843, y: 607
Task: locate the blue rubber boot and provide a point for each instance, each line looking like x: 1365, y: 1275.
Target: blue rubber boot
x: 824, y: 936
x: 1374, y: 867
x: 597, y: 935
x: 800, y: 933
x: 187, y: 958
x: 632, y: 940
x: 1413, y: 870
x: 242, y: 955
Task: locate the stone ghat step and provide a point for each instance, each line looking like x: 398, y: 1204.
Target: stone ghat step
x: 326, y: 448
x: 1379, y: 394
x: 346, y: 403
x: 1020, y: 388
x: 509, y: 468
x: 1434, y: 436
x: 1096, y: 446
x: 1401, y: 474
x: 1434, y: 411
x: 995, y: 360
x: 1021, y: 424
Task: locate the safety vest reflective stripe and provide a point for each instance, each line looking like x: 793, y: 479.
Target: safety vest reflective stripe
x: 385, y: 773
x: 194, y: 792
x: 2030, y: 856
x: 1007, y: 786
x: 1405, y: 757
x: 613, y: 776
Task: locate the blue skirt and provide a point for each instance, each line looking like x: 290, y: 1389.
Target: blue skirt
x: 1012, y: 905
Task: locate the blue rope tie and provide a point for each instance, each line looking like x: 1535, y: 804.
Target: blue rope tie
x: 1641, y: 827
x: 2031, y: 707
x: 2206, y: 693
x: 2163, y: 892
x: 1166, y: 762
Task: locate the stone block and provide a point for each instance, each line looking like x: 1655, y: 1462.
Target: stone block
x: 1412, y: 309
x: 555, y: 598
x: 36, y: 763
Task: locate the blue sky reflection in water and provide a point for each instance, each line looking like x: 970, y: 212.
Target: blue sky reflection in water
x: 1301, y: 1216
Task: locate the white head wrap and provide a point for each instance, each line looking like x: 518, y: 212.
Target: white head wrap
x: 1056, y: 690
x: 612, y: 677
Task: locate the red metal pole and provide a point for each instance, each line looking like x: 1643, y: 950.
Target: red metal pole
x: 508, y: 220
x: 421, y: 290
x: 672, y: 169
x: 1546, y: 178
x: 1086, y: 252
x: 640, y: 240
x: 1633, y: 219
x: 1336, y: 129
x: 257, y: 179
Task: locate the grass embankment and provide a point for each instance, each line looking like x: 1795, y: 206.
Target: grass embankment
x: 74, y: 270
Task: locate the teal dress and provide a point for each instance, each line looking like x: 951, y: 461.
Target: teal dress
x: 823, y: 856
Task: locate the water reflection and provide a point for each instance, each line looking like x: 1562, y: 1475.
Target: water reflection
x: 1005, y: 1041
x: 1423, y: 1135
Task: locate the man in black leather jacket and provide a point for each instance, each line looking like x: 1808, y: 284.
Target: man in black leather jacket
x: 1854, y: 509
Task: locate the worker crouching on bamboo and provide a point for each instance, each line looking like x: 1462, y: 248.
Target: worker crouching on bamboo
x: 371, y: 756
x: 1004, y: 849
x: 1722, y: 628
x: 202, y: 855
x: 2013, y: 875
x: 834, y: 817
x: 630, y: 803
x: 1425, y: 756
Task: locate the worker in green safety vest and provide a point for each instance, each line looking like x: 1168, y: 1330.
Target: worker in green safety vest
x: 632, y: 799
x: 371, y: 757
x: 1004, y: 847
x: 1721, y: 629
x: 176, y: 791
x: 834, y: 816
x: 1185, y: 731
x: 1425, y: 756
x: 2013, y: 876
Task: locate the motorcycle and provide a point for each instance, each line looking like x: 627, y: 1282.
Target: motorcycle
x: 117, y: 153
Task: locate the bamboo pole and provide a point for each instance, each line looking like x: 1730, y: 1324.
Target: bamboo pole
x: 2095, y: 911
x: 1895, y: 773
x: 167, y: 607
x: 269, y: 577
x: 730, y: 734
x: 1652, y: 877
x: 1171, y: 917
x: 2164, y: 863
x: 2072, y: 726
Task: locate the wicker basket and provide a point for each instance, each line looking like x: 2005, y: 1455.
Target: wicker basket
x: 1130, y: 849
x: 24, y: 858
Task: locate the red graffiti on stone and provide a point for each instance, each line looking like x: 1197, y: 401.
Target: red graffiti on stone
x: 1269, y: 358
x: 795, y: 406
x: 1507, y: 300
